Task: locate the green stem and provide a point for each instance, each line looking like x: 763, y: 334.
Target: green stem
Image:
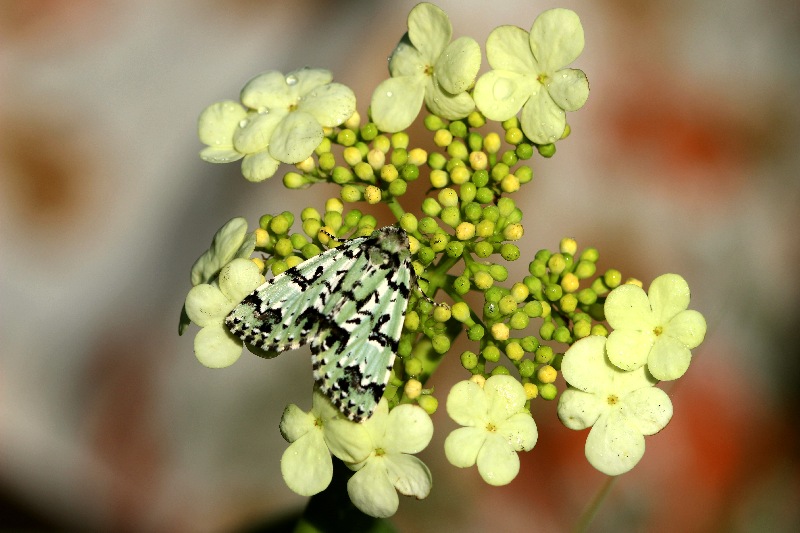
x: 591, y: 510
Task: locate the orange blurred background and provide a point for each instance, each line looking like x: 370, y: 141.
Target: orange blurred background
x: 685, y: 159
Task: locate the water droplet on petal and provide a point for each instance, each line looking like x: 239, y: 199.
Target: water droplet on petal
x: 243, y: 123
x: 389, y: 94
x: 503, y: 89
x: 291, y: 79
x: 263, y: 110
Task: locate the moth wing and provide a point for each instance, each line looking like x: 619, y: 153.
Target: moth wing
x: 282, y: 313
x: 353, y: 353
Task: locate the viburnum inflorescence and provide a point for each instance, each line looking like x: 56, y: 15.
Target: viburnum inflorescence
x: 610, y: 341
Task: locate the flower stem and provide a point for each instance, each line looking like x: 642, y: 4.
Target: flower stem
x: 588, y: 514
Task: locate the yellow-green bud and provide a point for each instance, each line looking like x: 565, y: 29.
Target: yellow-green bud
x: 514, y: 351
x: 412, y: 389
x: 460, y: 311
x: 417, y: 157
x: 492, y: 143
x: 439, y: 178
x: 513, y: 232
x: 465, y: 231
x: 531, y: 391
x: 428, y: 403
x: 500, y: 331
x: 478, y: 160
x: 491, y: 353
x: 442, y: 313
x: 372, y: 194
x: 442, y: 138
x: 483, y: 280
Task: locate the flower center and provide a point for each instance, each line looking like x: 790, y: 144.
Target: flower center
x: 612, y: 399
x: 428, y: 70
x: 543, y: 78
x: 379, y: 452
x: 658, y: 330
x: 490, y: 427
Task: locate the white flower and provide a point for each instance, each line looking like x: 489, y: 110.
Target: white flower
x: 529, y: 74
x: 654, y: 328
x: 230, y: 241
x: 497, y: 427
x: 426, y: 65
x: 281, y: 120
x: 390, y: 467
x: 620, y: 407
x: 306, y: 464
x: 207, y: 306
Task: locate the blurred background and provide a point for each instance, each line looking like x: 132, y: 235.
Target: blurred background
x: 685, y: 159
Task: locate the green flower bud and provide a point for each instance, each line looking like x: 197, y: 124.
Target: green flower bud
x: 458, y: 150
x: 509, y: 158
x: 350, y: 193
x: 599, y: 329
x: 483, y: 280
x: 280, y: 224
x: 442, y: 138
x: 485, y: 228
x: 524, y: 151
x: 582, y: 328
x: 492, y: 143
x: 544, y: 355
x: 473, y: 211
x: 399, y: 157
x: 369, y: 131
x: 530, y: 344
x: 454, y: 249
x: 439, y: 179
x: 513, y: 232
x: 465, y: 231
x: 570, y: 282
x: 341, y: 175
x: 484, y: 195
x: 440, y: 343
x: 346, y: 137
x: 509, y: 252
x: 514, y: 351
x: 514, y: 136
x: 491, y: 310
x: 398, y: 187
x: 426, y: 255
x: 310, y: 250
x: 459, y: 175
x: 546, y: 374
x: 428, y: 403
x: 498, y: 272
x: 460, y: 310
x: 431, y: 207
x: 499, y: 171
x: 352, y: 155
x: 562, y: 334
x: 546, y: 330
x: 519, y: 320
x: 483, y: 249
x: 612, y: 278
x: 519, y: 292
x: 507, y: 304
x: 441, y: 313
x: 400, y: 140
x: 547, y: 150
x: 533, y: 309
x: 475, y: 332
x: 458, y: 128
x: 436, y: 161
x: 408, y: 222
x: 475, y: 119
x: 451, y: 216
x: 439, y: 242
x: 590, y: 254
x: 461, y: 285
x: 428, y: 225
x: 324, y: 147
x: 433, y: 123
x: 585, y: 269
x: 548, y: 391
x: 480, y: 178
x: 526, y: 368
x: 311, y: 227
x: 448, y: 197
x: 500, y: 371
x: 469, y: 360
x: 553, y: 292
x: 491, y: 353
x: 413, y: 366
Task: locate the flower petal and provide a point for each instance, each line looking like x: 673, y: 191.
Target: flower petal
x: 458, y: 65
x: 295, y: 138
x: 396, y: 102
x: 226, y: 245
x: 306, y: 465
x: 206, y: 305
x: 371, y: 490
x: 669, y: 359
x: 569, y: 89
x: 347, y: 440
x: 260, y: 166
x: 508, y: 48
x: 500, y: 94
x: 498, y: 463
x: 214, y: 154
x: 614, y: 446
x: 687, y: 327
x: 239, y: 278
x: 408, y: 430
x: 579, y: 410
x: 462, y: 445
x: 628, y: 307
x: 409, y: 475
x: 330, y: 104
x: 215, y: 347
x: 429, y: 30
x: 519, y: 431
x: 217, y: 122
x: 254, y: 132
x: 629, y: 349
x: 506, y: 397
x: 406, y: 60
x: 269, y: 91
x: 650, y: 409
x: 295, y: 423
x: 584, y: 364
x: 556, y: 39
x: 668, y: 295
x: 542, y: 120
x: 446, y: 105
x: 467, y: 404
x: 305, y: 80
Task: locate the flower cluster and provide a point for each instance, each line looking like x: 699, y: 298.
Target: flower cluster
x: 611, y: 341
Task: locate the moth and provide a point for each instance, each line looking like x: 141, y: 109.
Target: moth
x: 348, y: 304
